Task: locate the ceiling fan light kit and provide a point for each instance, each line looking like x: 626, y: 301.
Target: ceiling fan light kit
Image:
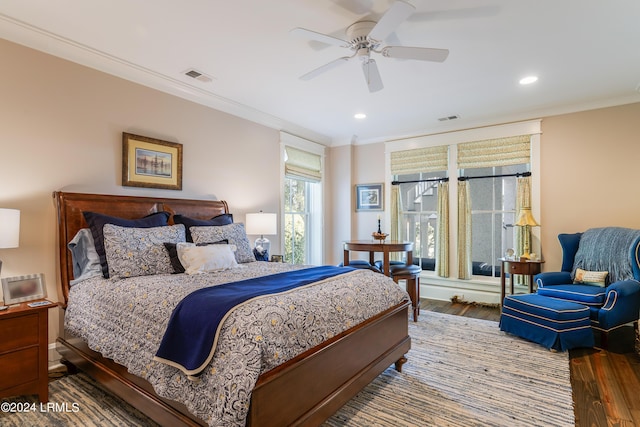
x: 365, y: 37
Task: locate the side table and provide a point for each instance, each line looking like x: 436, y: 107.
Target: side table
x: 526, y: 268
x: 23, y: 351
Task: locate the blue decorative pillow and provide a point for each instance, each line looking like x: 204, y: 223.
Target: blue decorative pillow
x: 97, y: 221
x: 224, y: 219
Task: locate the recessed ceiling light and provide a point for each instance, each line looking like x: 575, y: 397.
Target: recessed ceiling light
x: 528, y: 80
x: 360, y: 116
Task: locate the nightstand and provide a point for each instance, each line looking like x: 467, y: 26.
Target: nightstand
x: 526, y: 268
x: 23, y: 351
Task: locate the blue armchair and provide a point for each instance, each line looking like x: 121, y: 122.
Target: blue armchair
x: 611, y: 289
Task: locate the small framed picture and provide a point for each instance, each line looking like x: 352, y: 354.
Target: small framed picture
x: 23, y: 288
x: 369, y: 197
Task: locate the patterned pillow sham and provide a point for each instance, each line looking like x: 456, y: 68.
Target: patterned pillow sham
x: 207, y: 258
x: 223, y: 219
x: 97, y: 221
x: 234, y: 233
x: 135, y: 251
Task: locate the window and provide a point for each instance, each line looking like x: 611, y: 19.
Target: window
x: 299, y: 199
x: 418, y: 215
x: 493, y: 209
x: 302, y: 202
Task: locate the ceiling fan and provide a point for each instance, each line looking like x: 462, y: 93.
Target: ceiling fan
x: 365, y: 37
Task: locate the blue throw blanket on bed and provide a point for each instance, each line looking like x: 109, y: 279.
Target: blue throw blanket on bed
x: 190, y: 339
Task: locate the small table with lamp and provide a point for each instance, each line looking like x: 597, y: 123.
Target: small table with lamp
x: 525, y: 267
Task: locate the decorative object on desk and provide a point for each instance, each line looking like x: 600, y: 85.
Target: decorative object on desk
x: 509, y: 254
x: 260, y: 224
x: 379, y: 235
x: 9, y: 229
x: 151, y: 163
x: 23, y: 288
x: 526, y: 220
x: 369, y: 197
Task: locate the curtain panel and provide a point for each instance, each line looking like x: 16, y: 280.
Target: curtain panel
x: 442, y: 233
x: 464, y: 231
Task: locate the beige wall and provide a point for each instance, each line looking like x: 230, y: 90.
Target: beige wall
x: 62, y: 127
x: 589, y: 164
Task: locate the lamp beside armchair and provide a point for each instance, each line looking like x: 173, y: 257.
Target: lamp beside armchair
x: 600, y: 269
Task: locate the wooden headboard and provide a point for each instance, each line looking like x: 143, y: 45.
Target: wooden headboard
x: 70, y: 207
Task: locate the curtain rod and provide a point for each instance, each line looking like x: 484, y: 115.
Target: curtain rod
x: 465, y: 178
x: 420, y: 180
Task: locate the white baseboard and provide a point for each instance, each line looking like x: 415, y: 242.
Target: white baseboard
x: 54, y: 357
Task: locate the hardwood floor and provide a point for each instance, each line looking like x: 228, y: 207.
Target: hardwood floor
x: 605, y: 383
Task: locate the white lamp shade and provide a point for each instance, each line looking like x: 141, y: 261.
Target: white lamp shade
x: 261, y: 223
x: 9, y: 228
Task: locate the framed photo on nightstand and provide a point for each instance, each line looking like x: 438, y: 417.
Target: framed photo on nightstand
x: 23, y: 288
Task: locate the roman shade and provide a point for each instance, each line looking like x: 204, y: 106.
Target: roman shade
x: 512, y: 150
x: 300, y: 164
x: 427, y: 159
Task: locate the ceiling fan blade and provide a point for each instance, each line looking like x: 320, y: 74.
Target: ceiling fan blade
x: 322, y: 38
x: 419, y: 53
x: 325, y: 67
x: 372, y: 75
x: 396, y: 15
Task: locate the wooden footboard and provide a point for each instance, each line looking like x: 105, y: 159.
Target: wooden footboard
x: 304, y: 391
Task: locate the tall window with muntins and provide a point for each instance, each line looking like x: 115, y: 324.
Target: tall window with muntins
x: 418, y: 215
x: 302, y: 207
x: 298, y: 196
x: 493, y: 210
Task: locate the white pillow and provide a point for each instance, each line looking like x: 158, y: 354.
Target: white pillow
x: 202, y: 259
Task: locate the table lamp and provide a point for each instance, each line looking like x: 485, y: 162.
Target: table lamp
x: 526, y: 220
x: 260, y: 224
x: 9, y: 229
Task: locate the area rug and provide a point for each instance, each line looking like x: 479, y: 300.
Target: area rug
x: 460, y: 372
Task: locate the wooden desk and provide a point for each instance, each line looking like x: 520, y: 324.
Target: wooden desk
x: 373, y: 246
x: 526, y: 268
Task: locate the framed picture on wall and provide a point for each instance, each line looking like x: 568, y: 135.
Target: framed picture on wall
x: 369, y: 197
x: 23, y: 288
x: 151, y: 163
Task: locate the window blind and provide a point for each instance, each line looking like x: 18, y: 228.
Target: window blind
x: 300, y: 164
x: 512, y: 150
x: 428, y: 159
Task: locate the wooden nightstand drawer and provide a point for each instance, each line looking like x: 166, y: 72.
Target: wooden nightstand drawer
x: 18, y: 332
x: 19, y: 367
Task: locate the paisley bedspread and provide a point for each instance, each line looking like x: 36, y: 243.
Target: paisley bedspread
x: 125, y: 319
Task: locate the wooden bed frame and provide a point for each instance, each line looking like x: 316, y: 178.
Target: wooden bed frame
x: 303, y: 391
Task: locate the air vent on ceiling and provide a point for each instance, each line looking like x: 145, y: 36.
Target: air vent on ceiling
x: 195, y: 74
x: 444, y: 119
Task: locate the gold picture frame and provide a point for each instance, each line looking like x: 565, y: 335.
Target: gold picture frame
x: 151, y: 163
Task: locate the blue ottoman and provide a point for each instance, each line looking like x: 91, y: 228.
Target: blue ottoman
x: 553, y: 323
